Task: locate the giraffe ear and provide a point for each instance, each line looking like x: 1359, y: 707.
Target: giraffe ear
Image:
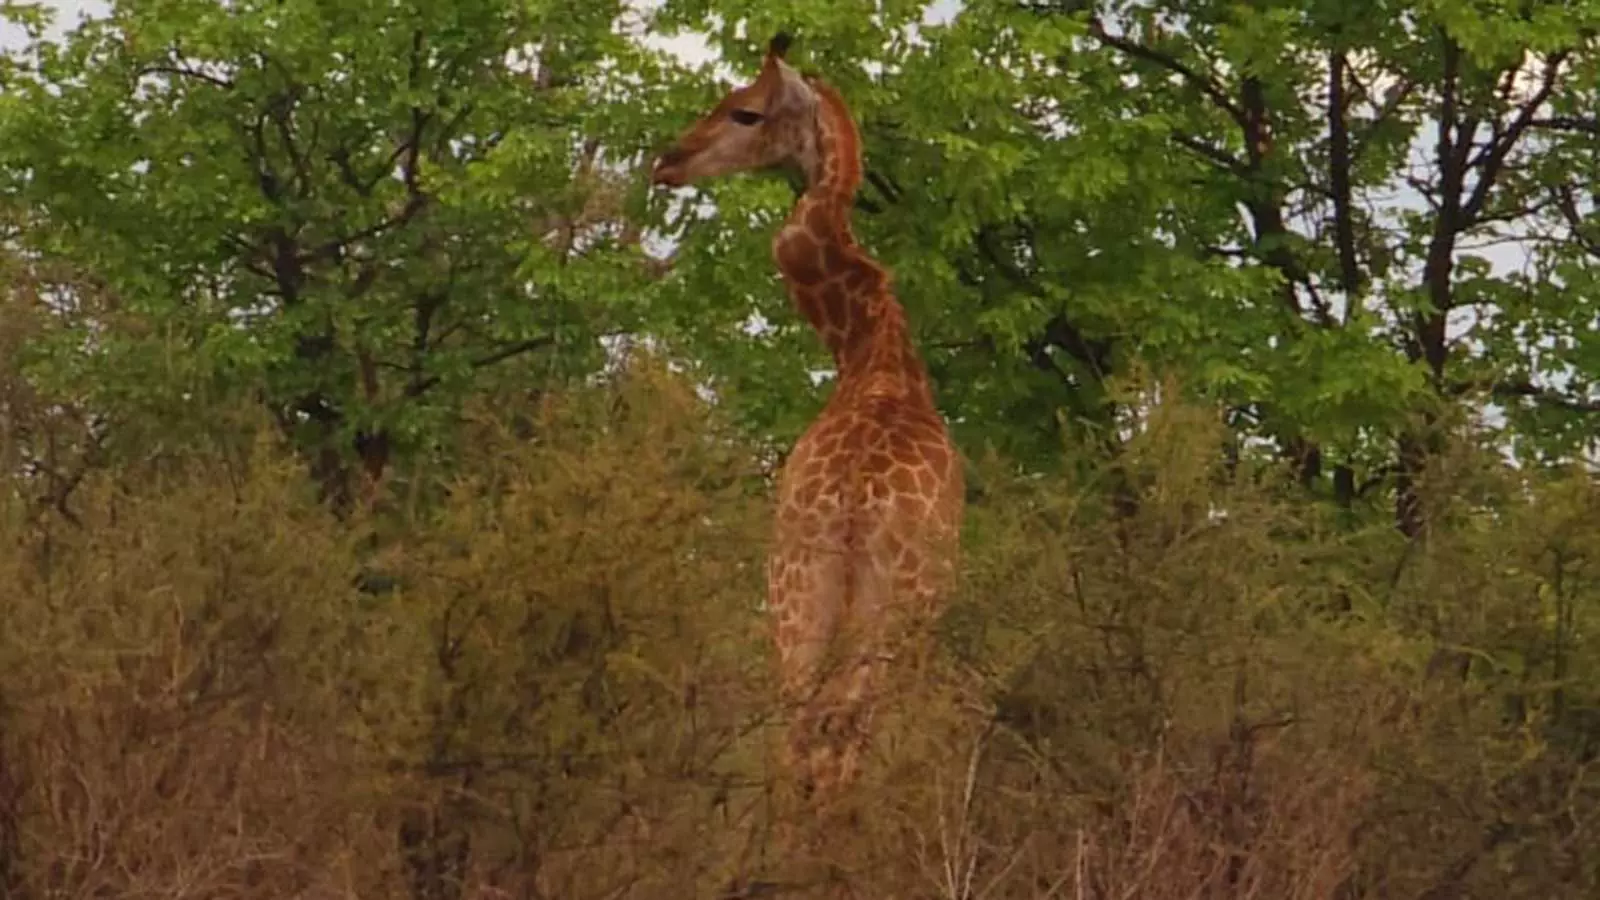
x: 787, y: 90
x: 789, y: 93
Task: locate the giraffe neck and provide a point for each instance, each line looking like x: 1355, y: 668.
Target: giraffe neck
x: 841, y: 290
x: 833, y: 170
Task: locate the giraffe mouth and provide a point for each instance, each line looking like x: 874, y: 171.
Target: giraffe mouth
x: 668, y: 169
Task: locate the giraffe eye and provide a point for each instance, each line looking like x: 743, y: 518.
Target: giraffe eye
x: 745, y: 117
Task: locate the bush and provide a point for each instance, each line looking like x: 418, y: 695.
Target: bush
x: 214, y: 688
x: 544, y: 673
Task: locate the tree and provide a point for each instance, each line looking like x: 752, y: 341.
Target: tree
x: 354, y: 212
x: 1288, y: 204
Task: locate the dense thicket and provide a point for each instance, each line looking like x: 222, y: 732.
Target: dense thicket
x: 379, y: 519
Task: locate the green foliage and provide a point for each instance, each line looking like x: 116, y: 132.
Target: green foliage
x: 1066, y: 193
x: 1069, y: 191
x: 354, y: 212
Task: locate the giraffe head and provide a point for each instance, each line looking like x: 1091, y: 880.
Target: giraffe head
x: 769, y: 122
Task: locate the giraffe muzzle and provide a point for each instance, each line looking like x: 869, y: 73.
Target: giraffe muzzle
x: 668, y: 169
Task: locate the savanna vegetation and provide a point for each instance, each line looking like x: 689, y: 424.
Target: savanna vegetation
x: 383, y: 508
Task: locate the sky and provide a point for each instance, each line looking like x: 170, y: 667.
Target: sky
x: 67, y: 15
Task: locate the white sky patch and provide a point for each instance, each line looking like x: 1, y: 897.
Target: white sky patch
x: 69, y: 13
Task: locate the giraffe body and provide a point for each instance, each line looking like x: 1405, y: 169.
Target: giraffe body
x: 869, y: 502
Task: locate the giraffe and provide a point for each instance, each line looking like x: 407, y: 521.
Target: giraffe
x: 870, y: 500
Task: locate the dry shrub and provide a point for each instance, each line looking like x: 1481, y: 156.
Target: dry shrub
x: 1274, y: 826
x: 1134, y: 704
x: 1492, y: 787
x: 549, y: 685
x: 1215, y: 692
x: 169, y: 666
x: 584, y: 661
x: 546, y: 676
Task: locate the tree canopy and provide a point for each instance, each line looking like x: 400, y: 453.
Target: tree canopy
x: 1347, y: 223
x: 1340, y: 220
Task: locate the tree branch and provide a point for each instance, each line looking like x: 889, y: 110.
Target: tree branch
x: 282, y: 111
x: 1569, y: 211
x: 1214, y: 155
x: 1522, y: 388
x: 1426, y: 340
x: 1204, y: 83
x: 1397, y: 96
x: 184, y: 72
x: 1567, y: 123
x: 1350, y: 279
x: 1493, y: 160
x: 416, y: 388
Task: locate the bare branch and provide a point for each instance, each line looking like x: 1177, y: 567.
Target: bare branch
x: 1525, y: 389
x: 1575, y: 220
x: 180, y: 71
x: 501, y: 355
x: 1500, y: 148
x: 1212, y: 154
x: 1567, y: 123
x: 1397, y: 96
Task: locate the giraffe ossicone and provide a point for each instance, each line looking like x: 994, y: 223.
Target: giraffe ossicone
x: 870, y: 500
